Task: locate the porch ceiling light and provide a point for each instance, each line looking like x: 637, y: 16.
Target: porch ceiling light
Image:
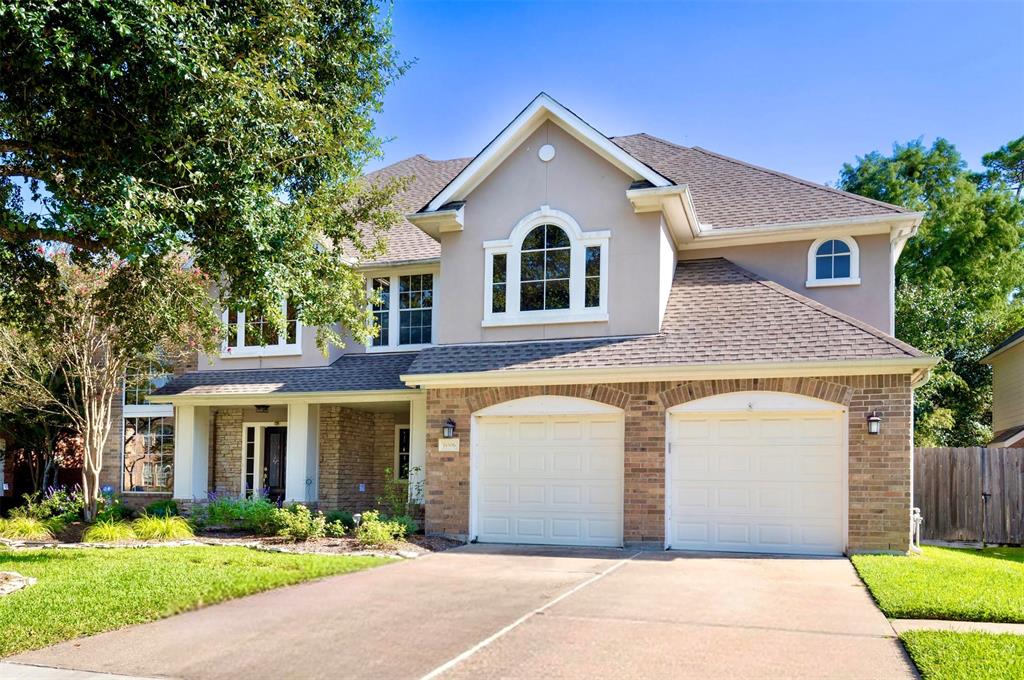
x: 874, y: 422
x: 448, y: 429
x: 262, y: 408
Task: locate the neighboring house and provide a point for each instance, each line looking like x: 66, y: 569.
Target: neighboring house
x: 588, y: 340
x: 1007, y: 362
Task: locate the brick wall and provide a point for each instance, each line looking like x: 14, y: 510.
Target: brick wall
x: 226, y: 451
x: 879, y: 466
x: 355, y: 448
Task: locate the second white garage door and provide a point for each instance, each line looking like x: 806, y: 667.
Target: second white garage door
x: 549, y: 479
x: 757, y: 482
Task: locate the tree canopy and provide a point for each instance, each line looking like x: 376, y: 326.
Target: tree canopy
x: 233, y: 131
x: 959, y: 281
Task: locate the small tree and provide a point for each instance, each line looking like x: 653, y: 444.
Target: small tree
x: 98, y: 321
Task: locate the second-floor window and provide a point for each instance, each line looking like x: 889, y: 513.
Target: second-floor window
x: 403, y: 311
x: 833, y: 262
x: 252, y: 334
x: 548, y: 271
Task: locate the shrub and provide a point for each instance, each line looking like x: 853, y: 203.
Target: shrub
x: 26, y: 529
x: 298, y: 523
x: 163, y: 508
x: 256, y: 514
x: 110, y: 509
x: 335, y: 529
x: 109, y: 531
x: 56, y: 504
x: 170, y: 528
x: 408, y: 522
x: 375, y: 532
x: 343, y: 516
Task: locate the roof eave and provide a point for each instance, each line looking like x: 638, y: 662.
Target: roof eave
x: 917, y: 367
x: 272, y: 398
x: 900, y: 227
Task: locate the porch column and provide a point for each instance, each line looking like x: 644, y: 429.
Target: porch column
x: 301, y: 442
x: 191, y: 452
x: 417, y: 445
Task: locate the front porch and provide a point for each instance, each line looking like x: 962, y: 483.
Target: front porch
x: 333, y: 451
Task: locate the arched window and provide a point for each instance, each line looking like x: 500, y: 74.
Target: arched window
x: 548, y: 271
x: 833, y: 262
x: 545, y: 268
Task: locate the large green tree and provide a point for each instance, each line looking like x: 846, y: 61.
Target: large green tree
x: 958, y: 282
x: 235, y: 131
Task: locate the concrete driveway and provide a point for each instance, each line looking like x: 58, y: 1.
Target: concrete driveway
x: 512, y: 612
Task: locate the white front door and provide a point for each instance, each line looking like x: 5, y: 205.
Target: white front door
x: 757, y: 482
x: 549, y: 479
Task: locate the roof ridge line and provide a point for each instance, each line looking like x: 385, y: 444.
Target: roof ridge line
x: 799, y: 180
x: 825, y: 309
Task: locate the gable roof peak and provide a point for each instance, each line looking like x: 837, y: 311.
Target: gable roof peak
x: 541, y: 108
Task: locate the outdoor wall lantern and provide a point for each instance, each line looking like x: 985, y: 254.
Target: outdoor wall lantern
x: 874, y: 422
x: 448, y: 429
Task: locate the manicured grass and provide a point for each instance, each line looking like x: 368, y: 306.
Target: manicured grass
x: 87, y: 591
x: 948, y: 583
x: 944, y: 655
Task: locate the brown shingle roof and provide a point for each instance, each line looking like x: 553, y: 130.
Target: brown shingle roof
x: 727, y: 193
x: 730, y: 193
x: 351, y: 372
x: 717, y: 313
x: 406, y: 242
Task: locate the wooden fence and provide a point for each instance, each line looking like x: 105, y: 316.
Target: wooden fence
x: 971, y: 494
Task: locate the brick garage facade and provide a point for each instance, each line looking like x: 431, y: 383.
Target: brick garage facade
x: 879, y: 465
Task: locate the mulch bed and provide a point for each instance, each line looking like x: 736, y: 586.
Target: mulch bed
x: 413, y: 546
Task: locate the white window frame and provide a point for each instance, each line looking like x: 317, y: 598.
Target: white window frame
x: 511, y: 247
x: 281, y: 349
x: 394, y: 310
x: 140, y: 411
x: 812, y: 260
x: 397, y: 467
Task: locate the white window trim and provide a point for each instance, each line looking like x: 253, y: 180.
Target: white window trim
x: 395, y: 469
x: 140, y: 411
x: 812, y: 257
x: 281, y: 349
x: 394, y: 311
x: 511, y: 247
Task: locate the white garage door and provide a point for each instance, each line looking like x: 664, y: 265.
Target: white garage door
x: 549, y: 479
x: 764, y: 482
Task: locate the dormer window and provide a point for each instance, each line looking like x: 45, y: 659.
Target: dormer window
x: 548, y: 271
x: 833, y: 261
x: 252, y: 334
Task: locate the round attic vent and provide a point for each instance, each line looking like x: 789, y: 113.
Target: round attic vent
x: 546, y: 152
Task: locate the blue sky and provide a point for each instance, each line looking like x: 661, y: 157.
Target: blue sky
x: 798, y: 87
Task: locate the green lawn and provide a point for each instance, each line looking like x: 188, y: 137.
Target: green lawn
x: 948, y: 583
x: 943, y: 655
x: 82, y: 592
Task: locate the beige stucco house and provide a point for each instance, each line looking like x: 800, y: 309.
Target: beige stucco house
x: 589, y: 340
x: 1007, y: 362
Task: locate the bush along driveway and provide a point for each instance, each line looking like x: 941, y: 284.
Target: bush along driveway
x: 87, y: 591
x: 949, y: 584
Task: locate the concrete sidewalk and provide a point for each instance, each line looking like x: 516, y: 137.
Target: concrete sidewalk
x: 489, y: 611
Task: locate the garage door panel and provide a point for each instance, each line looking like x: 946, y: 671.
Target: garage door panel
x: 565, y: 486
x: 757, y: 482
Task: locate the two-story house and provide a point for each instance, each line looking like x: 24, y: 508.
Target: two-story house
x: 591, y: 340
x: 1007, y: 362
